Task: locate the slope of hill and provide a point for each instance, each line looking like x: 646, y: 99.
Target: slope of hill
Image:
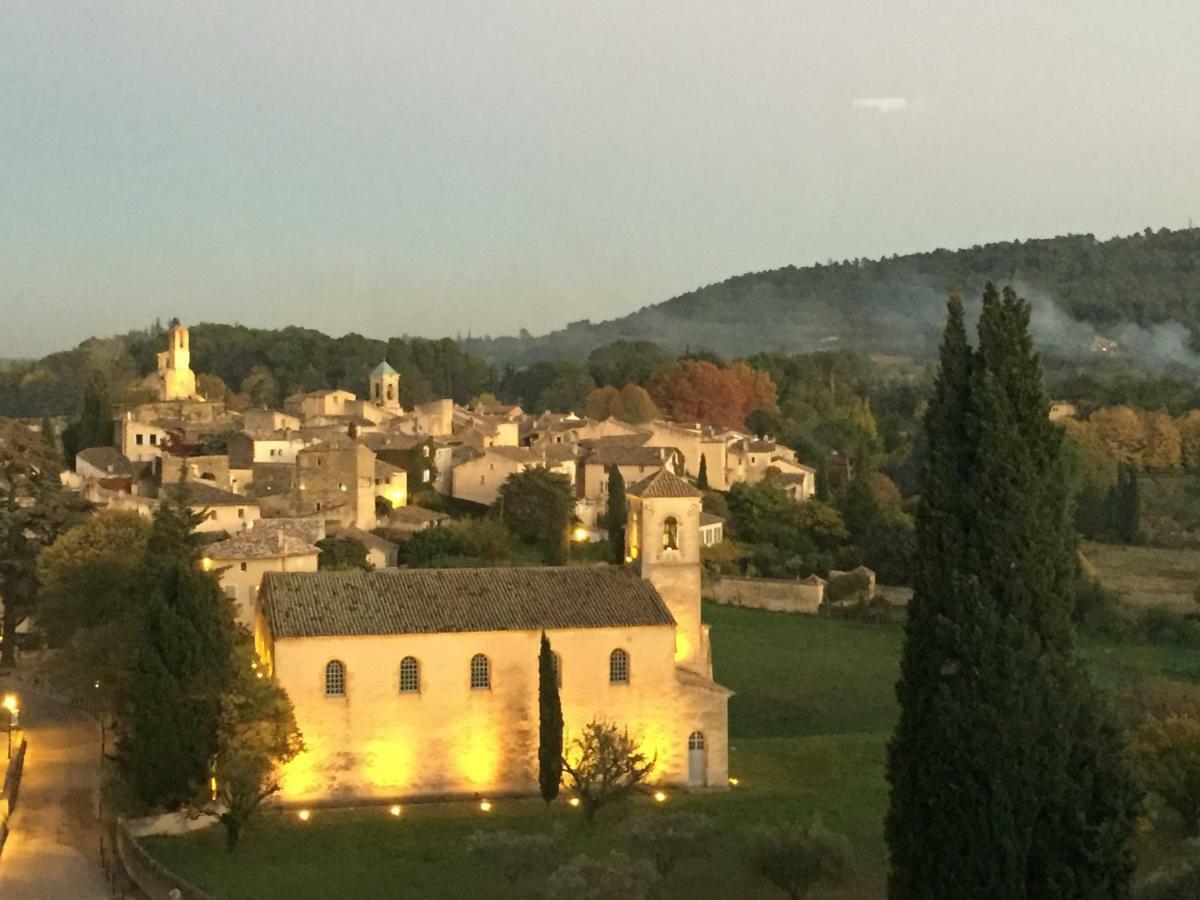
x: 1141, y: 291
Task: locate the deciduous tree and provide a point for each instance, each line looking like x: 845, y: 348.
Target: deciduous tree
x: 537, y: 505
x: 604, y: 764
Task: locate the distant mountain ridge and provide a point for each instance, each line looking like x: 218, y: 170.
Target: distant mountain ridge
x: 1082, y: 289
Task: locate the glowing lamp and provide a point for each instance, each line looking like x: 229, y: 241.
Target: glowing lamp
x: 395, y: 810
x: 574, y: 801
x: 485, y: 806
x: 660, y: 797
x: 304, y: 815
x: 580, y: 534
x: 206, y: 564
x: 10, y: 703
x: 733, y: 782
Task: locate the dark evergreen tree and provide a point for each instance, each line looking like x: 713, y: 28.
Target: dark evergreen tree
x: 702, y: 475
x: 536, y: 505
x: 995, y: 762
x: 96, y: 418
x: 168, y: 717
x: 1124, y: 506
x: 617, y: 514
x: 550, y: 723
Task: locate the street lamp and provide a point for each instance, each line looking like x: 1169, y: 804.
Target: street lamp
x: 14, y: 710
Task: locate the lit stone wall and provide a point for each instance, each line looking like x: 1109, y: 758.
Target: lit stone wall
x: 376, y: 742
x: 242, y: 585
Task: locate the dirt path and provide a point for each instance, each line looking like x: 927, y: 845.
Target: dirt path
x: 53, y: 846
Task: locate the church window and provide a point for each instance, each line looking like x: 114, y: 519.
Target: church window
x: 410, y: 676
x: 671, y: 534
x: 391, y: 392
x: 618, y: 667
x: 481, y: 674
x: 335, y: 678
x: 377, y: 390
x: 696, y: 741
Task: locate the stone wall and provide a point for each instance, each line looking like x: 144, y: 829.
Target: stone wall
x: 155, y: 880
x: 778, y: 595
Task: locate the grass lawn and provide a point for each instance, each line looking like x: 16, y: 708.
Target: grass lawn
x: 1147, y: 576
x: 808, y: 730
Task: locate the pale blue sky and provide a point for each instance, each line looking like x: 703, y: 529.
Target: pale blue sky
x: 437, y: 167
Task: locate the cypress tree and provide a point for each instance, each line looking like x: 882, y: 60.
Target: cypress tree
x: 550, y: 724
x: 169, y: 713
x: 618, y: 512
x: 997, y: 760
x: 96, y: 418
x: 1125, y: 506
x: 702, y: 475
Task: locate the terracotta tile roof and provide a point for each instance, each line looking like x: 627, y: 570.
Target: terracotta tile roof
x: 416, y: 514
x: 267, y: 545
x: 707, y: 518
x: 198, y: 493
x: 431, y: 601
x: 626, y: 455
x: 107, y: 459
x: 309, y: 529
x: 662, y: 484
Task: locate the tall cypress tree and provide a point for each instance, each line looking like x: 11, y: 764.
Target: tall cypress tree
x: 618, y: 512
x: 997, y: 760
x: 169, y: 713
x: 550, y: 724
x: 96, y: 418
x: 702, y: 475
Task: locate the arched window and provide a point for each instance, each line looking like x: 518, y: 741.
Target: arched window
x: 481, y: 674
x: 377, y: 390
x: 391, y: 392
x: 618, y: 667
x: 696, y: 741
x: 410, y: 676
x: 671, y: 534
x: 335, y: 678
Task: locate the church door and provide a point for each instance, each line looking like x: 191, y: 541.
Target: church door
x: 697, y: 760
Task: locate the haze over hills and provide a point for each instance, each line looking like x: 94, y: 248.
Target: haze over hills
x: 1141, y: 291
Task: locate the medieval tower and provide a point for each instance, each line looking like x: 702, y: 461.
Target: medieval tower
x: 176, y: 381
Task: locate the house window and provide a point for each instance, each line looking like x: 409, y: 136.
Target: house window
x: 482, y: 479
x: 410, y: 676
x: 335, y: 678
x: 671, y: 534
x: 137, y: 439
x: 212, y: 514
x: 243, y: 567
x: 425, y: 476
x: 153, y: 439
x: 618, y: 667
x: 481, y: 676
x: 241, y: 513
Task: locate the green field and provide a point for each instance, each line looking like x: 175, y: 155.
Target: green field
x: 808, y: 730
x: 1147, y: 576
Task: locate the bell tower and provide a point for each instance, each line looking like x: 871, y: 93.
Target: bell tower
x: 385, y: 387
x: 662, y: 540
x: 177, y: 381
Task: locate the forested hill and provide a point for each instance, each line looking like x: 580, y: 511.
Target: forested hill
x: 1082, y: 289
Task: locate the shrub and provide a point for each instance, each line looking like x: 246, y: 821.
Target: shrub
x: 516, y: 855
x: 1178, y: 881
x: 1167, y: 754
x: 848, y: 586
x: 604, y: 764
x: 1158, y: 697
x: 1160, y: 625
x: 615, y: 875
x: 670, y: 837
x: 874, y: 610
x: 795, y: 857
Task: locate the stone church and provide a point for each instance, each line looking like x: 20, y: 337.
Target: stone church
x: 424, y: 682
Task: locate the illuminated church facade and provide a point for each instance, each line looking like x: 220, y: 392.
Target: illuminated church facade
x: 424, y: 682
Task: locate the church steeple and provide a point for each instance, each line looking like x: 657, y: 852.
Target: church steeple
x: 177, y: 381
x: 662, y: 540
x: 385, y: 387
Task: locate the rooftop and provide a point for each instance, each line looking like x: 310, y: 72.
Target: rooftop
x: 662, y: 484
x: 268, y: 544
x: 384, y: 369
x: 107, y: 459
x: 433, y: 601
x: 200, y: 493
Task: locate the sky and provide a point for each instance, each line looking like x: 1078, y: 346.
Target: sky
x: 444, y: 168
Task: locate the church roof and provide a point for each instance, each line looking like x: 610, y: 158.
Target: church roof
x: 433, y: 601
x: 384, y: 369
x: 662, y: 484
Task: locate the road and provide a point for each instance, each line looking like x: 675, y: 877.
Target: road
x: 53, y: 844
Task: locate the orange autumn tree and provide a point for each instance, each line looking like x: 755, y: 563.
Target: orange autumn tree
x: 698, y: 391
